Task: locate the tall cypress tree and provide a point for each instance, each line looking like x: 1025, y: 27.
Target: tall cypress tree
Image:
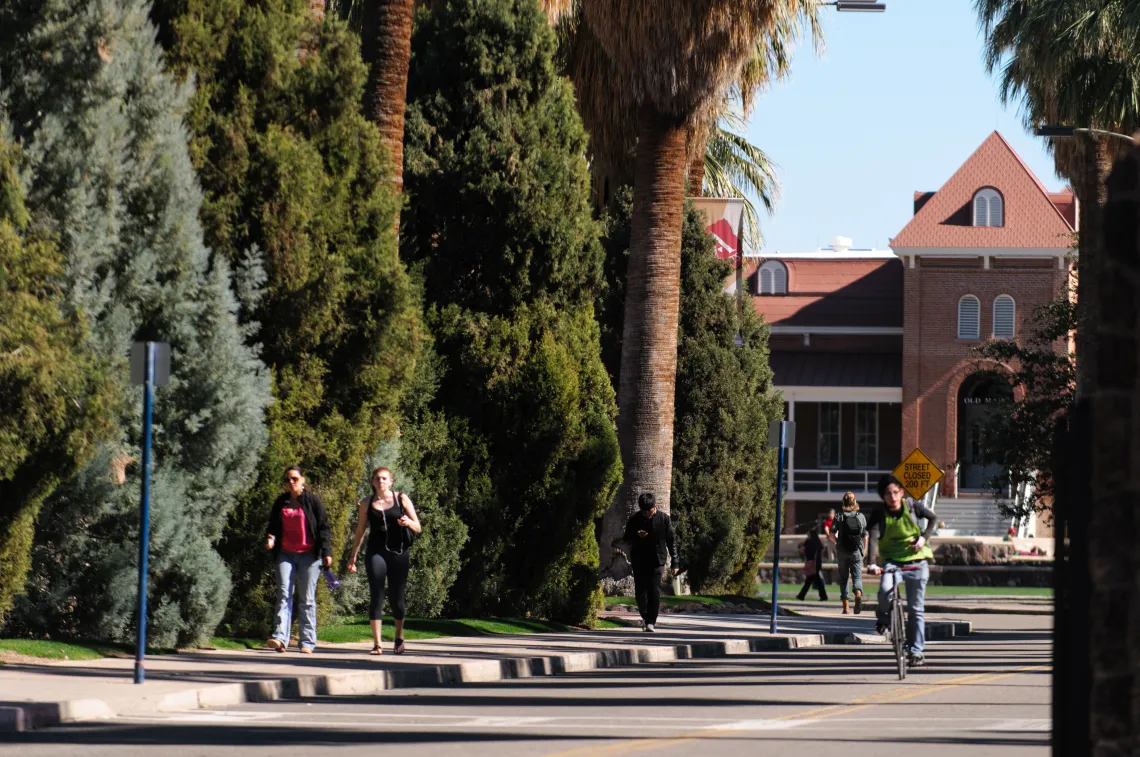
x: 723, y: 471
x: 55, y: 398
x: 293, y: 170
x: 109, y: 175
x: 499, y: 226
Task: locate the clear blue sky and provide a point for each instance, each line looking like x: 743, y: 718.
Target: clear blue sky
x: 895, y: 103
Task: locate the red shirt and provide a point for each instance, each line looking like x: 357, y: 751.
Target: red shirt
x: 295, y: 531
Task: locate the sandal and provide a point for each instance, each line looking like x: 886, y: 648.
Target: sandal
x: 399, y: 646
x: 376, y: 650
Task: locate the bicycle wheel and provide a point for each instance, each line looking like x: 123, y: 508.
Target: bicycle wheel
x: 898, y: 633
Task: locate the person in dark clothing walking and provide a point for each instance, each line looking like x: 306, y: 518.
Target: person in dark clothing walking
x: 813, y: 566
x: 300, y: 537
x: 652, y: 544
x: 387, y: 516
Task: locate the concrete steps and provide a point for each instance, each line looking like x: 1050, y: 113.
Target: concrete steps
x: 972, y: 516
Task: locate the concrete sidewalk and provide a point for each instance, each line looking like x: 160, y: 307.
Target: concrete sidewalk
x: 43, y: 694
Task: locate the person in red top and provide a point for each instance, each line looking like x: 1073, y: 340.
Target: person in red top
x: 300, y: 538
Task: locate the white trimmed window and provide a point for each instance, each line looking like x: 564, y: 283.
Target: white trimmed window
x: 988, y: 208
x: 772, y: 278
x: 866, y: 435
x: 829, y: 433
x: 969, y: 317
x: 1004, y: 324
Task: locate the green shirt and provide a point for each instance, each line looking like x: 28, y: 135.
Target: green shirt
x: 899, y: 533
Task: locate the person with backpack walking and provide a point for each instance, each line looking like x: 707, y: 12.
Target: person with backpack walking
x: 300, y: 537
x: 850, y: 539
x: 649, y: 534
x: 392, y: 525
x: 813, y: 566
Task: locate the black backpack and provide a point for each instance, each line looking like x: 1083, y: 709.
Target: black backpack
x: 851, y: 532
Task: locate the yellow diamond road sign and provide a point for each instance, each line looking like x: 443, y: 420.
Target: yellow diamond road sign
x: 918, y: 473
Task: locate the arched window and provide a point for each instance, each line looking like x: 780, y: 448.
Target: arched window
x: 969, y: 317
x: 1004, y: 325
x: 772, y: 278
x: 988, y: 210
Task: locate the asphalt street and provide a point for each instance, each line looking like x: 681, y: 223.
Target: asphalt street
x: 987, y: 694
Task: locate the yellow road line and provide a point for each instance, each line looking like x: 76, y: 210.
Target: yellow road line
x: 883, y: 697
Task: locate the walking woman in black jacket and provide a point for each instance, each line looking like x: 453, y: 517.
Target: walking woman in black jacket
x: 301, y: 539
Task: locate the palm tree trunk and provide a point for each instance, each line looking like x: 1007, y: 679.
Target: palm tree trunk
x: 649, y: 339
x: 386, y: 46
x: 1092, y: 194
x: 698, y: 146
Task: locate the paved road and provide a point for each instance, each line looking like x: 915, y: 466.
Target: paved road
x: 986, y: 695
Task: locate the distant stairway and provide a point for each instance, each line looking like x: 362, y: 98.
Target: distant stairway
x: 972, y: 516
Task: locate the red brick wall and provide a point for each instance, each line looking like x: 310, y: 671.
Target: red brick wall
x: 936, y: 362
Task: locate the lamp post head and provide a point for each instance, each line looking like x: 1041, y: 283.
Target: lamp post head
x: 858, y: 6
x: 1055, y: 130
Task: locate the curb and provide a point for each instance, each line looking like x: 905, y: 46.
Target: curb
x: 36, y: 715
x: 983, y: 610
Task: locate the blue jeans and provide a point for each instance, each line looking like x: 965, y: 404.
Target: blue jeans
x: 915, y: 601
x: 302, y: 572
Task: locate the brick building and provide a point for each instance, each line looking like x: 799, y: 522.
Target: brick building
x: 871, y: 348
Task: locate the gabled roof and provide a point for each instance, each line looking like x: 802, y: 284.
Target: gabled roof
x: 1032, y: 216
x: 831, y: 292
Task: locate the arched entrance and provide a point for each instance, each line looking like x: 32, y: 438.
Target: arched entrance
x: 980, y: 397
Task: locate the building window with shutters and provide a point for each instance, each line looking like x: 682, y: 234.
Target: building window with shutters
x: 989, y: 209
x: 829, y: 434
x: 772, y: 278
x: 866, y: 435
x: 1004, y: 323
x: 969, y: 317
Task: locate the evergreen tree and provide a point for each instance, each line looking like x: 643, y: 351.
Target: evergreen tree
x: 291, y: 168
x: 54, y: 396
x: 109, y: 176
x: 499, y: 224
x: 723, y: 472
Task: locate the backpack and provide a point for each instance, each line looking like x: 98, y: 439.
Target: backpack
x: 851, y: 531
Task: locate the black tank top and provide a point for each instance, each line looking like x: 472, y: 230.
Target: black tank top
x: 384, y: 533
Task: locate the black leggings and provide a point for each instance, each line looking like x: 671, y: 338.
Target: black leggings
x: 395, y: 567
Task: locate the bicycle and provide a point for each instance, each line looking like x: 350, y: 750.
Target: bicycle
x: 896, y: 620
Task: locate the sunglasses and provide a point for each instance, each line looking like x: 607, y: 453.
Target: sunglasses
x: 293, y: 479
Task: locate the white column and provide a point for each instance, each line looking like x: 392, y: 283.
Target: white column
x: 792, y: 450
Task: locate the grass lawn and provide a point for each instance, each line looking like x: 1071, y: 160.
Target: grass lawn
x: 56, y: 650
x: 357, y: 629
x: 871, y: 584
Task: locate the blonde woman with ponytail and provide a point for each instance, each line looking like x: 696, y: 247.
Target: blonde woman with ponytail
x: 849, y: 535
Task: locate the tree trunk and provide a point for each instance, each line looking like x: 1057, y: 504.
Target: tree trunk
x: 1107, y: 498
x: 697, y: 150
x: 649, y: 338
x: 1090, y: 251
x: 386, y: 47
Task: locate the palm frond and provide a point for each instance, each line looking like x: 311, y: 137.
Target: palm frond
x: 1066, y: 62
x: 734, y: 167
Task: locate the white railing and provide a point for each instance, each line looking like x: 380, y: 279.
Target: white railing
x: 833, y: 480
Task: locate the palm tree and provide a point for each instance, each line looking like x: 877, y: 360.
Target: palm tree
x: 1071, y: 62
x: 385, y: 28
x: 672, y: 64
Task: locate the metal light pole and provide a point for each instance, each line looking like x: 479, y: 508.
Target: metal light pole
x: 781, y: 434
x: 150, y: 365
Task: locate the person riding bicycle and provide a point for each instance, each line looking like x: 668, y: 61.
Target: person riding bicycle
x: 895, y: 533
